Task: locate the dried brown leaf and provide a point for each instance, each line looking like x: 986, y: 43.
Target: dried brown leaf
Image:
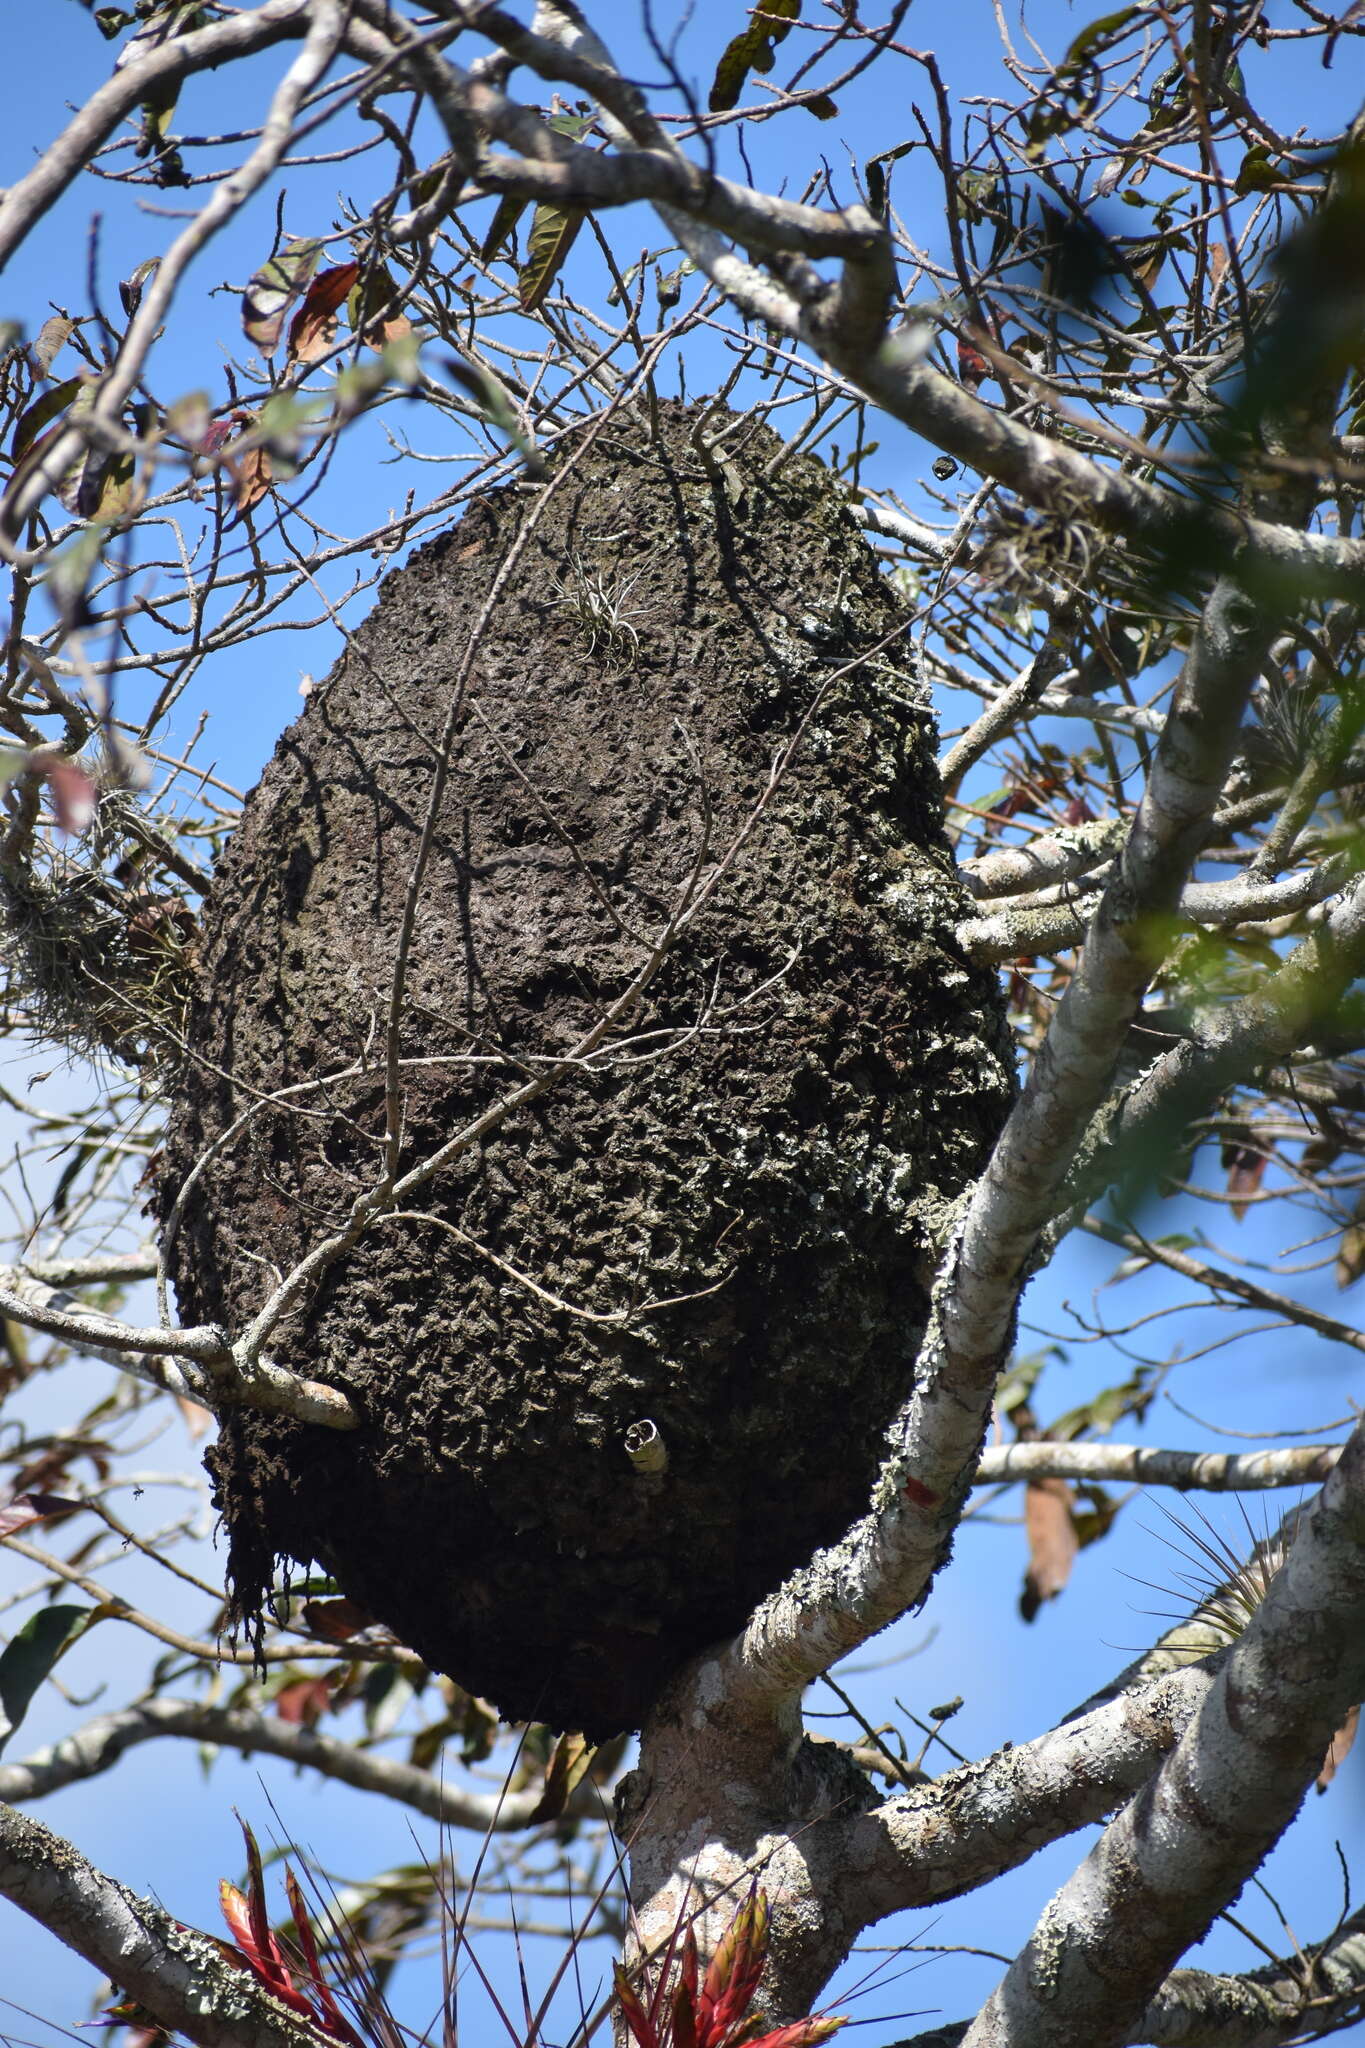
x: 1052, y: 1543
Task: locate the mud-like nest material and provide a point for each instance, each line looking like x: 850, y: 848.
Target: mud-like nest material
x: 767, y: 1141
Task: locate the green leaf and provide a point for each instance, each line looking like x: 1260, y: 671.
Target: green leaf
x: 44, y: 409
x: 506, y: 215
x: 751, y: 51
x: 29, y: 1658
x: 1257, y: 172
x: 553, y: 229
x: 386, y: 1694
x: 396, y: 363
x: 1083, y: 46
x: 875, y: 175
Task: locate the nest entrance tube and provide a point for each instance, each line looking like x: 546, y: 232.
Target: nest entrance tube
x: 629, y: 1358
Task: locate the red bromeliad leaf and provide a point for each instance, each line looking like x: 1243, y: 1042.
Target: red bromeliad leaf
x: 235, y: 1913
x: 636, y: 2018
x: 267, y: 1965
x: 734, y: 1971
x: 313, y: 328
x: 684, y: 2028
x: 799, y: 2033
x: 263, y: 1939
x: 331, y: 2017
x: 717, y: 2015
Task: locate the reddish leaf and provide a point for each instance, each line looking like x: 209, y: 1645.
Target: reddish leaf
x: 642, y: 2028
x: 304, y: 1701
x: 25, y: 1508
x: 1246, y: 1170
x: 1338, y: 1749
x: 313, y: 328
x: 73, y: 796
x: 972, y: 367
x: 336, y: 1621
x: 1052, y: 1542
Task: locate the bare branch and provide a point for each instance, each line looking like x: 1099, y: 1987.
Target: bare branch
x: 1137, y: 1465
x: 98, y: 1746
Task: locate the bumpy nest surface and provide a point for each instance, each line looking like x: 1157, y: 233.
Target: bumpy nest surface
x: 772, y: 1134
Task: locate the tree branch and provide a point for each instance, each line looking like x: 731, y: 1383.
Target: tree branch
x: 1135, y: 1133
x: 211, y: 1371
x: 1272, y: 2007
x: 25, y: 203
x: 1136, y: 1464
x: 1183, y: 1849
x: 939, y: 1840
x: 98, y: 1746
x: 1008, y: 931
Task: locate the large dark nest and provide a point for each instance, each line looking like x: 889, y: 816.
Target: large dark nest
x: 768, y: 1141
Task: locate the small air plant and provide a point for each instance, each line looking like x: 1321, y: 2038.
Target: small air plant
x: 689, y: 2010
x: 597, y: 600
x: 1227, y: 1587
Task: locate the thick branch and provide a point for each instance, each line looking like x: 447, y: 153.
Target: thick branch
x: 1056, y: 477
x: 1272, y: 2007
x: 1183, y: 1849
x: 963, y: 1829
